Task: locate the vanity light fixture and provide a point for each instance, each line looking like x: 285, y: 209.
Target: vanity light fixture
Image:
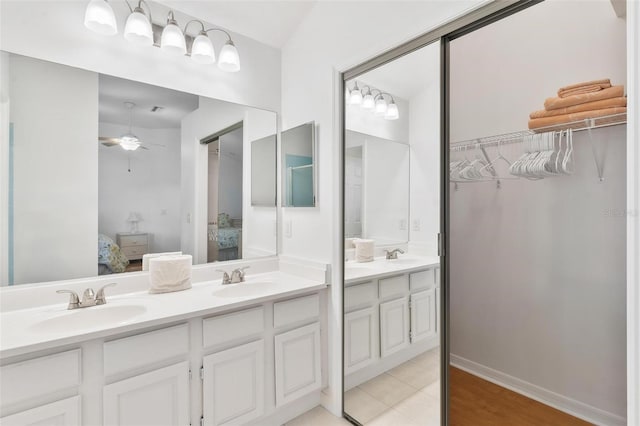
x: 381, y: 106
x: 139, y: 29
x: 392, y: 111
x: 376, y: 102
x: 355, y: 97
x: 99, y: 17
x: 367, y: 101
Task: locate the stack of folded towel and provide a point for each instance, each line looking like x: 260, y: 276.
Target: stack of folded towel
x: 591, y: 99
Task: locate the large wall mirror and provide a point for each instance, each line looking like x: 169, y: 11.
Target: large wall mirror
x: 104, y: 170
x: 298, y: 166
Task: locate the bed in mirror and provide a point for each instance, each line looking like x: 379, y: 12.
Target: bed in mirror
x: 105, y: 170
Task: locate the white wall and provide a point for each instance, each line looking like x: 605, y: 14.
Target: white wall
x: 538, y: 267
x: 151, y: 188
x: 258, y: 222
x: 54, y: 31
x: 311, y: 60
x: 424, y: 138
x: 54, y: 110
x: 361, y: 120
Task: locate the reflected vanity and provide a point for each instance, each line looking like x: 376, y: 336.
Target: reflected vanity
x: 138, y: 169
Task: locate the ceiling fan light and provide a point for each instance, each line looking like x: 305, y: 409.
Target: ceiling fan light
x: 202, y: 50
x: 129, y: 142
x: 172, y: 39
x: 229, y: 60
x: 381, y: 106
x: 99, y: 18
x: 137, y: 29
x: 392, y: 112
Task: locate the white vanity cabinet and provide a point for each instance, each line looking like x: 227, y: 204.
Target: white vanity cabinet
x: 60, y: 413
x: 388, y: 320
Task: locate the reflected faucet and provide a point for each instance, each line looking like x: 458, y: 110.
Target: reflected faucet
x: 393, y: 254
x: 89, y: 298
x: 237, y: 276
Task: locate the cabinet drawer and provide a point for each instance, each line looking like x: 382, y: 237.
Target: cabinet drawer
x: 235, y: 326
x: 422, y: 279
x: 296, y: 310
x: 40, y: 376
x: 393, y: 286
x: 359, y: 295
x: 132, y: 240
x: 65, y: 412
x: 145, y: 349
x: 133, y: 251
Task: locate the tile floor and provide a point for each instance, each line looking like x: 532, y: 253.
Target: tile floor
x: 407, y: 395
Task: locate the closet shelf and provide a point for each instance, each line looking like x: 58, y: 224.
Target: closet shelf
x: 516, y: 137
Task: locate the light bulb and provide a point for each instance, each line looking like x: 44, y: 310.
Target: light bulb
x: 356, y: 96
x: 129, y: 142
x: 229, y: 60
x: 99, y: 17
x: 381, y: 106
x: 392, y: 111
x: 138, y: 30
x: 172, y: 39
x: 368, y: 102
x: 202, y: 50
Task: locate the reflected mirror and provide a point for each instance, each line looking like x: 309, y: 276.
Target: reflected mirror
x: 104, y: 170
x: 298, y: 166
x: 391, y: 351
x: 263, y: 171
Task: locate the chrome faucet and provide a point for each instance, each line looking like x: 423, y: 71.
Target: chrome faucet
x: 393, y: 254
x: 237, y: 276
x: 89, y: 298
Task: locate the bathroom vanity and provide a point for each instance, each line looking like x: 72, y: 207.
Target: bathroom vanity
x: 216, y: 354
x: 391, y: 310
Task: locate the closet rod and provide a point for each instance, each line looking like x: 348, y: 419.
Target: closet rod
x: 517, y: 137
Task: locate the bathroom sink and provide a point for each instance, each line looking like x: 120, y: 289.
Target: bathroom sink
x: 88, y: 318
x: 253, y: 288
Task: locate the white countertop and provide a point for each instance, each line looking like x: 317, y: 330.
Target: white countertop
x: 44, y: 327
x: 381, y: 267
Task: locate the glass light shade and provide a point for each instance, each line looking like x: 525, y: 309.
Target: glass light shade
x: 99, y: 18
x: 202, y: 50
x: 129, y: 142
x: 368, y: 102
x: 229, y: 59
x: 381, y: 107
x: 172, y: 39
x: 138, y: 30
x: 392, y: 112
x: 356, y: 97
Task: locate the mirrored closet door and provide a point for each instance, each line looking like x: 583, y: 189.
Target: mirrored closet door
x: 391, y: 222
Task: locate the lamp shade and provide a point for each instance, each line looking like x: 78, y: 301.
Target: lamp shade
x: 356, y: 96
x: 202, y: 50
x: 229, y: 59
x: 368, y: 102
x: 392, y: 111
x: 99, y: 18
x: 137, y: 29
x: 172, y: 39
x: 381, y: 106
x: 129, y: 142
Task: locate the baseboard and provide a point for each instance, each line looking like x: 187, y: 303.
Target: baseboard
x: 568, y: 405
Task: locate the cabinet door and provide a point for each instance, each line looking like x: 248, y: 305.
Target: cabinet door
x: 394, y: 326
x: 160, y: 397
x: 360, y: 331
x: 297, y: 356
x: 233, y: 387
x: 423, y: 315
x: 60, y: 413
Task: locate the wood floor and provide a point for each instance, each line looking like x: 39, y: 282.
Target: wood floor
x: 477, y: 402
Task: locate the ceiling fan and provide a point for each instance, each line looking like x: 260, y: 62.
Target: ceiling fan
x: 128, y: 141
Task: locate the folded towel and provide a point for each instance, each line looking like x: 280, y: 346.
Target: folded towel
x: 583, y: 89
x: 364, y: 250
x: 589, y: 106
x: 149, y: 256
x: 568, y: 118
x: 604, y: 81
x: 169, y: 273
x: 557, y: 103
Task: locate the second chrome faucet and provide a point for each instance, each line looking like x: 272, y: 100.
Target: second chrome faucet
x: 237, y: 275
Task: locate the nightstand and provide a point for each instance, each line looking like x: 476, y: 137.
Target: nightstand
x: 133, y: 245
